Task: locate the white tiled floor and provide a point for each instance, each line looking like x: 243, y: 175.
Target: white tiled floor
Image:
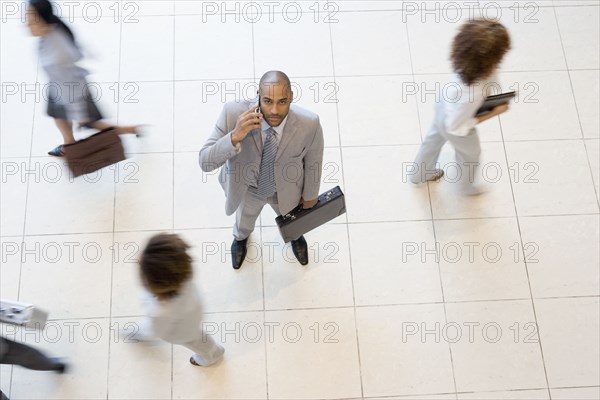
x: 506, y: 308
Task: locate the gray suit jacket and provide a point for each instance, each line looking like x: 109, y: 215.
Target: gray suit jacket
x: 298, y: 165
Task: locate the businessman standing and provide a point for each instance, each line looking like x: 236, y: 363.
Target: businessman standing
x: 271, y: 152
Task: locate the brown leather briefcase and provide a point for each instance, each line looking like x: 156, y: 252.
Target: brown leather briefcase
x: 95, y: 152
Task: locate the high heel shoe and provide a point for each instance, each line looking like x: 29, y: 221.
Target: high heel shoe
x: 57, y: 151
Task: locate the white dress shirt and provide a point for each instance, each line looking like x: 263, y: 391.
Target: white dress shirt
x: 278, y: 130
x: 264, y: 128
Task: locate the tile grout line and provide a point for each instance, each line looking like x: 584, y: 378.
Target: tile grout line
x: 350, y: 76
x: 260, y: 230
x: 264, y: 313
x: 173, y: 88
x: 432, y: 219
x: 410, y: 397
x: 357, y: 146
x: 383, y: 10
x: 531, y: 297
x: 583, y: 138
x: 112, y: 261
x: 343, y: 182
x: 484, y: 301
x: 336, y: 223
x: 35, y: 109
x: 584, y: 146
x: 22, y: 236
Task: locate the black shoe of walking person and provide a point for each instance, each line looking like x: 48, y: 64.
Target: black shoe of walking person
x: 300, y: 249
x: 238, y: 252
x: 61, y: 367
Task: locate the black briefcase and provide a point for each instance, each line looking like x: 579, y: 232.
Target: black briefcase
x: 299, y: 221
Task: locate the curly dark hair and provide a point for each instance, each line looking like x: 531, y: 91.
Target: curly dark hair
x: 478, y: 49
x: 165, y: 265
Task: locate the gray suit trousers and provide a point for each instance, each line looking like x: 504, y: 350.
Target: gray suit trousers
x: 248, y: 212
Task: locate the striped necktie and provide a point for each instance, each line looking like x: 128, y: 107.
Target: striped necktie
x: 266, y: 177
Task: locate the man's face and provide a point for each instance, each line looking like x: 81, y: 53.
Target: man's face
x: 275, y: 101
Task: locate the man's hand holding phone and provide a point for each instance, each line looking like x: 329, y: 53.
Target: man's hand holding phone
x: 246, y: 123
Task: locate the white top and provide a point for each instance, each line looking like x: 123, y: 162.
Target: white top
x: 177, y: 320
x: 461, y: 102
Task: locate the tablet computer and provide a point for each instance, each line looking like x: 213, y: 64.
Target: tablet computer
x: 492, y: 102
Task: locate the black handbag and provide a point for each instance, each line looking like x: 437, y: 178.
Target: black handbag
x: 299, y: 221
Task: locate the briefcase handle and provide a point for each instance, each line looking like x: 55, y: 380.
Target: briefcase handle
x: 298, y: 209
x: 103, y: 131
x: 294, y: 213
x: 138, y: 134
x: 112, y: 128
x: 326, y: 196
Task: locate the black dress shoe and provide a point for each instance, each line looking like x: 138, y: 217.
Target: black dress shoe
x: 300, y: 249
x: 238, y: 253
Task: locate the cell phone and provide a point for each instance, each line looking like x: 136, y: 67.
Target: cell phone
x: 258, y: 107
x: 257, y: 110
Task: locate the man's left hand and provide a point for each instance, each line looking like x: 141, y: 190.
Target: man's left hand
x: 309, y: 203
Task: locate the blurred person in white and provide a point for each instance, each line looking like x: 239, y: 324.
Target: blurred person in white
x: 173, y: 307
x: 68, y: 95
x: 477, y: 51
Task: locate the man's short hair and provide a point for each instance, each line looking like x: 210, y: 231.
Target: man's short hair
x: 272, y: 78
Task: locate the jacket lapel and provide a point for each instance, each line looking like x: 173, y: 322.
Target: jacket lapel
x: 257, y: 135
x: 288, y: 134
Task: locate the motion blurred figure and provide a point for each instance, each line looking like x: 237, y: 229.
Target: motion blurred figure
x: 173, y: 306
x: 58, y: 54
x: 12, y: 352
x: 477, y: 51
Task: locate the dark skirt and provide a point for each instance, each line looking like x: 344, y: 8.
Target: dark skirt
x: 62, y: 111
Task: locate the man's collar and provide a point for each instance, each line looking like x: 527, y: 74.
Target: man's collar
x: 278, y: 129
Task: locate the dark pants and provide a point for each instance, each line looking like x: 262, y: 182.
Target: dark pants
x: 25, y: 356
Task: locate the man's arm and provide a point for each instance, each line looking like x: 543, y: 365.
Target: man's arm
x: 313, y: 168
x: 223, y: 145
x: 218, y: 148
